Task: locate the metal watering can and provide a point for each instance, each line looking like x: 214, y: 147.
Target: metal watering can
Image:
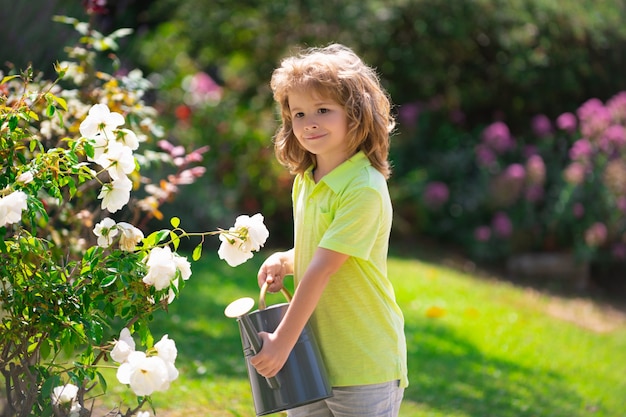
x: 302, y: 379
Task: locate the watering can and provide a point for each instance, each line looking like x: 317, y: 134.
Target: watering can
x: 301, y: 380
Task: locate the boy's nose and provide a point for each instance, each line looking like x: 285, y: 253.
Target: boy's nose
x: 311, y: 124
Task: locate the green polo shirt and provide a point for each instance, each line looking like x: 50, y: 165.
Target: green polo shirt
x: 357, y: 322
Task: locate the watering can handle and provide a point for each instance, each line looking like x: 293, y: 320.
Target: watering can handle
x: 264, y: 287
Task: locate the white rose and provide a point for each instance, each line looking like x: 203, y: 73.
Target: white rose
x: 256, y: 234
x: 166, y: 350
x: 100, y: 122
x: 118, y: 160
x: 130, y: 236
x: 183, y: 265
x: 161, y: 268
x: 123, y: 347
x: 25, y: 177
x: 116, y: 194
x: 64, y: 394
x: 105, y: 232
x: 128, y: 138
x: 144, y: 374
x: 11, y: 207
x: 232, y: 250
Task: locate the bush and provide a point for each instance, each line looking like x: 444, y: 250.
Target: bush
x: 558, y: 187
x: 78, y: 280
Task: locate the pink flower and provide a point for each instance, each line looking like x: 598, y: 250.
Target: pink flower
x: 596, y: 235
x: 502, y: 225
x: 574, y: 173
x: 594, y: 118
x: 578, y: 210
x: 617, y: 107
x: 436, y: 194
x: 498, y: 137
x: 614, y: 138
x: 485, y: 157
x: 482, y: 233
x: 536, y: 170
x: 581, y: 150
x: 541, y: 125
x: 409, y: 113
x: 567, y: 122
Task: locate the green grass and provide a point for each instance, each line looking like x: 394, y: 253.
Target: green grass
x: 491, y: 349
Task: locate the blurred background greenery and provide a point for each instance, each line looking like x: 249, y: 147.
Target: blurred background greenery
x: 452, y: 69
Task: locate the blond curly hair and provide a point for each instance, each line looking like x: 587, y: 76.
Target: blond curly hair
x: 334, y: 72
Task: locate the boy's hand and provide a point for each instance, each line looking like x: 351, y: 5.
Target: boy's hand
x: 274, y: 269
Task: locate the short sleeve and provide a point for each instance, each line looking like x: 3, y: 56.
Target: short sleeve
x: 356, y: 224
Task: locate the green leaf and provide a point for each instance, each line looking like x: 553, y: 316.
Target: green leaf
x: 155, y: 237
x: 61, y: 102
x: 12, y: 123
x: 102, y: 380
x: 50, y: 110
x: 8, y: 78
x: 45, y: 348
x: 48, y: 386
x: 175, y: 222
x: 89, y: 149
x: 108, y: 280
x: 175, y: 240
x: 197, y: 252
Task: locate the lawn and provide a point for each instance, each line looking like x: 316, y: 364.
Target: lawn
x: 478, y: 346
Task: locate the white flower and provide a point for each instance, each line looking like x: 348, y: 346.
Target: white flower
x: 247, y: 235
x: 231, y: 250
x: 100, y: 122
x: 143, y: 414
x: 75, y: 410
x: 123, y: 347
x: 161, y: 268
x: 144, y: 374
x: 116, y: 194
x: 128, y: 138
x: 183, y: 265
x: 105, y: 230
x: 11, y: 207
x: 256, y: 234
x: 64, y: 394
x: 166, y: 350
x: 118, y: 160
x: 130, y: 236
x: 25, y: 177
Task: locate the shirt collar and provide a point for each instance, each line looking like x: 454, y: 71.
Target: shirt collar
x: 337, y: 179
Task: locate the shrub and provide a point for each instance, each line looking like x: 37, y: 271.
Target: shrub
x: 559, y: 187
x: 78, y: 280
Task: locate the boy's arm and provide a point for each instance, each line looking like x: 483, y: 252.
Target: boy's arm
x: 278, y: 345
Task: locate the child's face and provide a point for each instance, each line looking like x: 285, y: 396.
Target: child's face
x: 320, y: 124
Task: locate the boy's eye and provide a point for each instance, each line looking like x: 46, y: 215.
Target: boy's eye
x: 298, y: 115
x: 322, y: 111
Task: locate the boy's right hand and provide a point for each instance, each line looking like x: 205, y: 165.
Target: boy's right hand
x: 274, y: 269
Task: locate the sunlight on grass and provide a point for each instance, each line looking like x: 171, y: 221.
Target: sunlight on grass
x: 477, y: 347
